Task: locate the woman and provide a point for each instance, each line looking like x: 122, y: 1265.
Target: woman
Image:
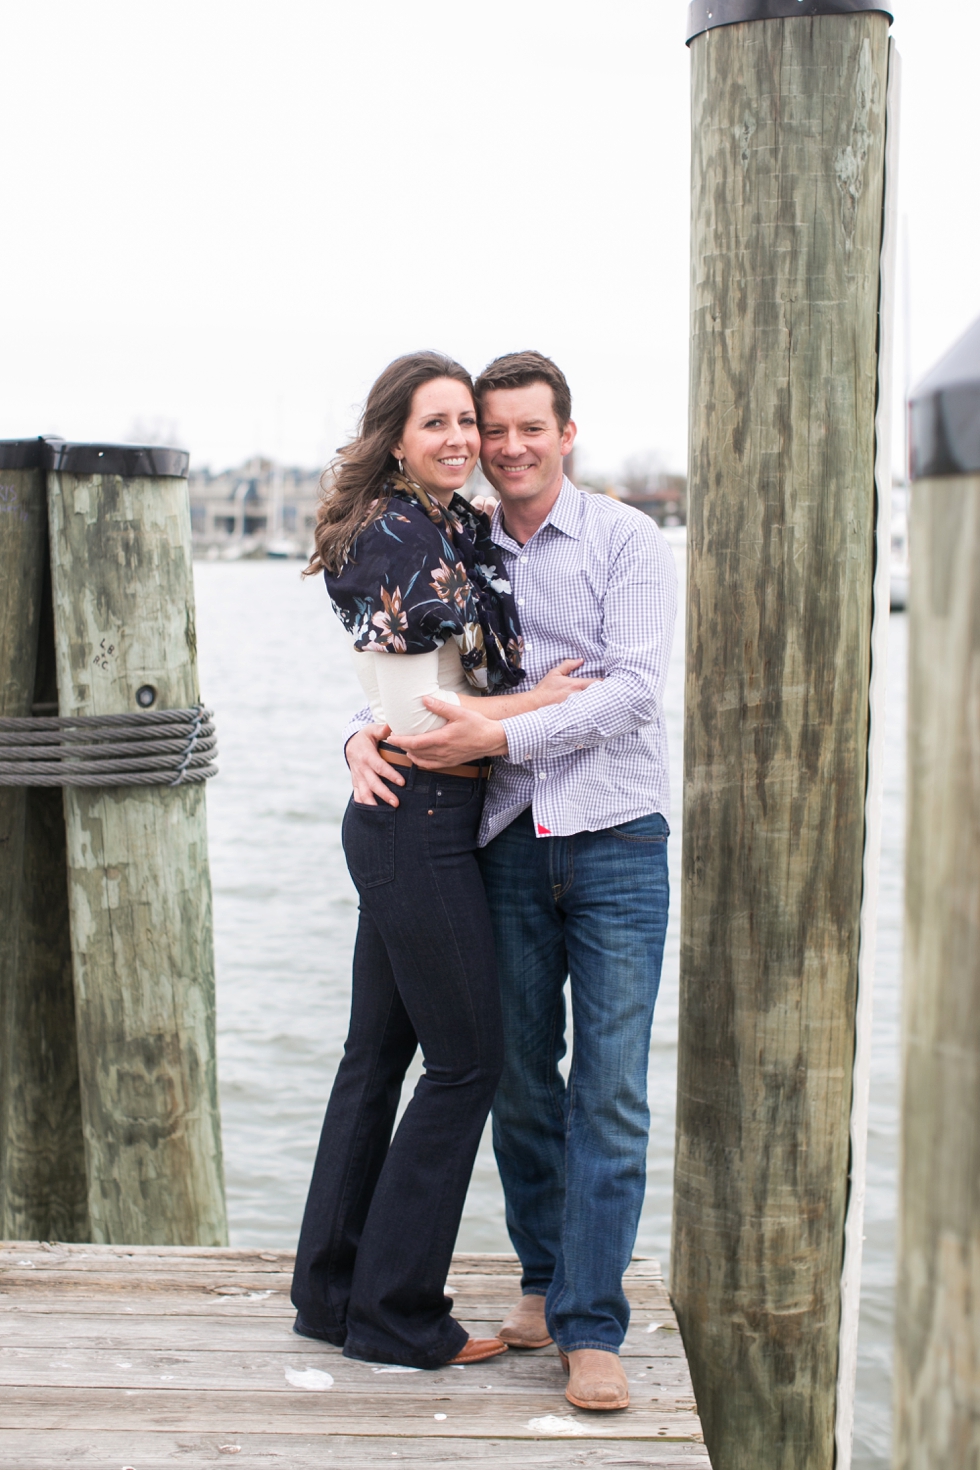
x: 412, y: 573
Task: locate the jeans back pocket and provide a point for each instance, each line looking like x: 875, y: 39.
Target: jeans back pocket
x: 369, y: 843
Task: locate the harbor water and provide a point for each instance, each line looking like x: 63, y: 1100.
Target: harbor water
x: 274, y: 667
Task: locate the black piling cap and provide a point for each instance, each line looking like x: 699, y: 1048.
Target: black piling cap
x: 130, y: 460
x: 944, y: 413
x: 705, y: 15
x: 144, y: 460
x: 26, y: 454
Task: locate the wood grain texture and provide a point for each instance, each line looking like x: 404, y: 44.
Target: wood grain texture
x: 213, y: 1371
x: 937, y: 1327
x: 42, y: 1163
x: 139, y: 884
x: 787, y: 181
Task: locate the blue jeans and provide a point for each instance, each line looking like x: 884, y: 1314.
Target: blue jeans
x: 572, y: 1159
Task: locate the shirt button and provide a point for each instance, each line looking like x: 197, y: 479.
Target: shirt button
x: 520, y: 602
x: 524, y: 557
x: 542, y: 776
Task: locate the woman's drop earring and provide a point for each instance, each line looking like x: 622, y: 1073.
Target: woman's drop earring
x: 401, y: 467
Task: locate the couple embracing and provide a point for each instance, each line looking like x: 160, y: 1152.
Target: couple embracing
x: 507, y: 832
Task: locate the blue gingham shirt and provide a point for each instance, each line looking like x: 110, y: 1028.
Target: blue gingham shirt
x: 596, y: 581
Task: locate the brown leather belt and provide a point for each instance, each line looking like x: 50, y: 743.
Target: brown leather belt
x: 396, y: 757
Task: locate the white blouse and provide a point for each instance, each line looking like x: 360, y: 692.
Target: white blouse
x: 396, y: 683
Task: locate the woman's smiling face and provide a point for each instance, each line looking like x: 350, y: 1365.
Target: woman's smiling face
x: 440, y: 442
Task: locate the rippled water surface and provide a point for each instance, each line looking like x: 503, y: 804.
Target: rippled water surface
x: 275, y: 670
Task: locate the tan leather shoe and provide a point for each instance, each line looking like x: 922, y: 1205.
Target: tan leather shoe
x: 476, y: 1349
x: 595, y: 1380
x: 524, y: 1325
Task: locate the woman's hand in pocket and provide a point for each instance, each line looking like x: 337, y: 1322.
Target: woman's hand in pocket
x: 368, y: 768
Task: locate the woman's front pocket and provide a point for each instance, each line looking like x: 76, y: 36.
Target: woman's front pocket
x: 369, y: 843
x: 455, y: 792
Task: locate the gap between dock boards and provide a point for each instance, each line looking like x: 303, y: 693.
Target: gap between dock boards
x: 144, y: 1357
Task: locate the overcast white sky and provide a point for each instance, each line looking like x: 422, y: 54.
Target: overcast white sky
x: 228, y: 216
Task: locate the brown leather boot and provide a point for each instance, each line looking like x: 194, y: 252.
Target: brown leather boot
x: 476, y: 1349
x: 524, y: 1325
x: 595, y: 1380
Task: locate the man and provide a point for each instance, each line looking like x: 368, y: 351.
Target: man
x: 574, y: 858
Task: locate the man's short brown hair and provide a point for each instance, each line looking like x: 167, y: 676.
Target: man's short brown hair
x: 517, y: 369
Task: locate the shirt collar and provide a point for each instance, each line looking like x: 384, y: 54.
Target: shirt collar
x: 565, y: 515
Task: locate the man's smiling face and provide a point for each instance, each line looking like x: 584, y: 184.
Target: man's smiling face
x: 522, y: 444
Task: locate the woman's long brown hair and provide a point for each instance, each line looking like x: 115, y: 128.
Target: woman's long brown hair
x: 351, y: 487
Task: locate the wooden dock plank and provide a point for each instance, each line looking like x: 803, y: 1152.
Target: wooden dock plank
x: 57, y: 1334
x: 185, y: 1261
x: 223, y: 1368
x: 156, y: 1355
x: 53, y: 1331
x: 467, y: 1291
x: 24, y: 1450
x: 333, y: 1411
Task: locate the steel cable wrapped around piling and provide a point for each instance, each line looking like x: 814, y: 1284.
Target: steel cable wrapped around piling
x: 172, y: 747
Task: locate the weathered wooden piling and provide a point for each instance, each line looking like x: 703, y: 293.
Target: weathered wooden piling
x: 139, y: 886
x: 788, y: 168
x: 42, y: 1162
x: 937, y: 1329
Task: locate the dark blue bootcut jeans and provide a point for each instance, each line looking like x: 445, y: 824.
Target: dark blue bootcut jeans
x: 592, y: 908
x: 383, y: 1213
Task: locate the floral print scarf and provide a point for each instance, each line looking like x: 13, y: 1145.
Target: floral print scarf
x: 421, y: 573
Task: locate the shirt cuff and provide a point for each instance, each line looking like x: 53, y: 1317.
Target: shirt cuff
x: 526, y: 735
x: 356, y: 722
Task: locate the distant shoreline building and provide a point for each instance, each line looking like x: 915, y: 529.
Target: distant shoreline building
x: 263, y: 509
x: 258, y: 509
x: 665, y: 501
x: 663, y: 498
